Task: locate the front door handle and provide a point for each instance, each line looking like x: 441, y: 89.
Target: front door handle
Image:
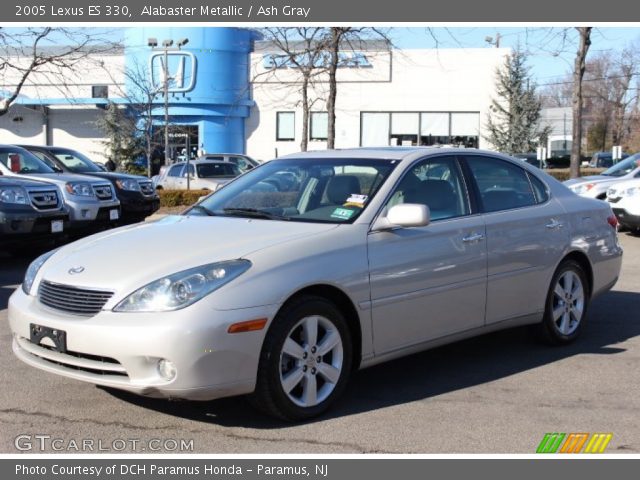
x: 474, y: 237
x: 554, y: 224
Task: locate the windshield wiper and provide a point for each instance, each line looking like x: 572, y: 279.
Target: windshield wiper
x: 210, y: 213
x: 254, y: 213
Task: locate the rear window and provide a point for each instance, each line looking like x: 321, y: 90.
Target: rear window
x: 214, y: 170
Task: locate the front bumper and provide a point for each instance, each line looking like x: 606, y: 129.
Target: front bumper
x: 122, y: 350
x: 104, y: 217
x: 626, y: 219
x: 136, y: 205
x: 24, y: 225
x: 83, y: 210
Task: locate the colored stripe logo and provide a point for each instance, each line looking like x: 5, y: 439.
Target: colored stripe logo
x: 574, y: 443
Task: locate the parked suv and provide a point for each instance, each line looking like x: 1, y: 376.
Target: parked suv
x: 91, y: 202
x: 202, y: 174
x: 30, y: 212
x: 243, y: 162
x: 137, y: 196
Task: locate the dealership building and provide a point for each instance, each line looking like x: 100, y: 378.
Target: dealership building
x: 229, y: 91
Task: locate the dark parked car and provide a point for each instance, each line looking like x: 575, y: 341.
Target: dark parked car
x: 604, y: 159
x: 31, y: 213
x: 531, y: 158
x: 137, y: 196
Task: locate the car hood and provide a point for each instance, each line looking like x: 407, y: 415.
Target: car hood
x: 113, y: 176
x: 621, y: 186
x: 62, y: 178
x: 128, y: 258
x: 591, y: 179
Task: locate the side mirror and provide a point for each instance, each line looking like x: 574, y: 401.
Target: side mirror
x: 404, y: 215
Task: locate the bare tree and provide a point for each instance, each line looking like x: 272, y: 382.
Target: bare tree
x: 141, y: 94
x: 299, y: 48
x: 50, y: 51
x: 578, y: 75
x: 336, y: 40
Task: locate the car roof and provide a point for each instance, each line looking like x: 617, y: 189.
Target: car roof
x: 388, y: 153
x: 200, y: 162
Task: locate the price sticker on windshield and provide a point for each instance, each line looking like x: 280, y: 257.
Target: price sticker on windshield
x: 356, y: 200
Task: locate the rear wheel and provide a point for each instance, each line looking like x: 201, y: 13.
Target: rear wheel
x: 567, y: 302
x: 306, y: 360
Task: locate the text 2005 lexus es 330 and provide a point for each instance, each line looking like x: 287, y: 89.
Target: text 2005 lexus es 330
x: 308, y: 267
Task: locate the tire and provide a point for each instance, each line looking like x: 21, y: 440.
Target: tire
x: 563, y: 322
x: 292, y: 384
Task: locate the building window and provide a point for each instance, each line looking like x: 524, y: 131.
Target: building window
x: 100, y: 91
x: 465, y: 129
x: 460, y: 129
x: 404, y: 129
x: 375, y: 129
x: 319, y: 125
x: 285, y: 126
x: 434, y: 128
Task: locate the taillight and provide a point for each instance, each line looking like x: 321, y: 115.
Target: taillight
x: 613, y: 221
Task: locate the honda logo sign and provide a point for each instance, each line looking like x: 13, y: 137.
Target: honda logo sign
x: 180, y: 73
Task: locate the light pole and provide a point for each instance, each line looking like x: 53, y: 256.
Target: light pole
x: 167, y: 46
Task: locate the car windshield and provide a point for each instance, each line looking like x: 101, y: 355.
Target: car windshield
x: 75, y: 161
x: 624, y: 167
x: 214, y: 170
x: 302, y: 190
x: 21, y: 161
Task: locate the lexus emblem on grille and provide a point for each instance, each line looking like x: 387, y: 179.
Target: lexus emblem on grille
x: 74, y: 270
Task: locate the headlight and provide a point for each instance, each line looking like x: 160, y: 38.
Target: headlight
x: 128, y: 184
x: 631, y: 192
x: 13, y: 195
x: 79, y: 188
x: 583, y: 188
x: 33, y: 269
x: 182, y: 289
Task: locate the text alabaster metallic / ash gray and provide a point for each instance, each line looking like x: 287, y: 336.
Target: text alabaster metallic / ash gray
x: 398, y: 290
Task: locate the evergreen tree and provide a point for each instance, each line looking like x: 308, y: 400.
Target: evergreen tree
x: 122, y: 141
x: 514, y: 121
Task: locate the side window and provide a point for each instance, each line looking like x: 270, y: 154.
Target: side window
x: 189, y: 169
x: 175, y: 171
x: 242, y: 164
x: 502, y: 185
x: 539, y: 189
x: 436, y: 183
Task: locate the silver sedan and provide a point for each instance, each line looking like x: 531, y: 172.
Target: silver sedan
x: 292, y: 276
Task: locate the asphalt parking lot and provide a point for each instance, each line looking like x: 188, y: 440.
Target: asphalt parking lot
x: 499, y: 393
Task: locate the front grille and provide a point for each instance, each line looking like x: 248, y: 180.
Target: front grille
x: 79, y: 301
x: 44, y: 199
x: 614, y: 200
x: 103, y: 192
x: 146, y: 188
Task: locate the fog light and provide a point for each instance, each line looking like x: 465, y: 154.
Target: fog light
x: 167, y: 369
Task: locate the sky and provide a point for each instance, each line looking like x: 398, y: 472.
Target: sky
x: 550, y: 49
x: 550, y: 52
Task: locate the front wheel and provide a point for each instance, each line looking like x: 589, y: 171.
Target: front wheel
x: 566, y: 307
x: 305, y: 361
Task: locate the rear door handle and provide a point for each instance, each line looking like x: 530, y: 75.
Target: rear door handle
x: 474, y: 237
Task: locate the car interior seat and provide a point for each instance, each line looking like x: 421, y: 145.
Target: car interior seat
x: 438, y: 195
x: 341, y: 187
